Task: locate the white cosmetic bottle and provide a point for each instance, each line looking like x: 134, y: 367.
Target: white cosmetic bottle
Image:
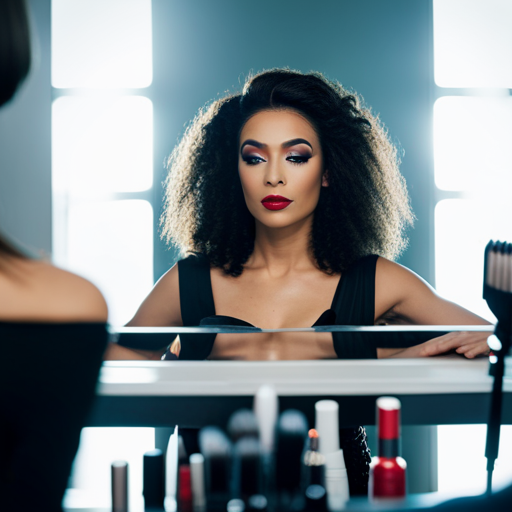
x: 336, y: 479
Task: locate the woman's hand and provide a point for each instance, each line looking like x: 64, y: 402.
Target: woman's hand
x: 468, y: 344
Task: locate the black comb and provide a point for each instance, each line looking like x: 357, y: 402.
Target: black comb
x: 498, y: 294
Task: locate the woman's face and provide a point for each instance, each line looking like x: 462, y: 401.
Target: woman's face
x: 281, y: 167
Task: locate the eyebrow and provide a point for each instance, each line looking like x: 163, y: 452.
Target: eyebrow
x: 287, y: 144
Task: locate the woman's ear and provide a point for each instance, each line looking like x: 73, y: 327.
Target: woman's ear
x: 325, y: 179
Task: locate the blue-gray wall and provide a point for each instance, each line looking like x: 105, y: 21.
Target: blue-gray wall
x: 380, y: 48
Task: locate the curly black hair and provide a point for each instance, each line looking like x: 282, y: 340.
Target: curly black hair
x: 364, y: 210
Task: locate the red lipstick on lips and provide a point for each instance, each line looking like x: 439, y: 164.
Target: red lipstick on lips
x: 275, y: 202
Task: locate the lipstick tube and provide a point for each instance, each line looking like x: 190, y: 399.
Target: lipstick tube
x: 387, y: 471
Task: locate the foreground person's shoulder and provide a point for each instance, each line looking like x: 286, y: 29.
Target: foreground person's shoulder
x: 71, y: 298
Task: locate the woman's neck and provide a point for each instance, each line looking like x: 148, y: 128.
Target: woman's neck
x: 282, y: 250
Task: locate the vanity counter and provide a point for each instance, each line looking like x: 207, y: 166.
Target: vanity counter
x: 443, y: 390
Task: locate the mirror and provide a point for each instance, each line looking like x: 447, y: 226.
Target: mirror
x: 241, y: 343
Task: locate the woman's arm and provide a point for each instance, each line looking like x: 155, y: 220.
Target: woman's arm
x: 402, y: 294
x: 161, y: 308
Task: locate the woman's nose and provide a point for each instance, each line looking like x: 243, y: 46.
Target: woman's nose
x: 274, y: 174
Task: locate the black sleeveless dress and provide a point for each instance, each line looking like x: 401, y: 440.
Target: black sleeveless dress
x: 353, y: 304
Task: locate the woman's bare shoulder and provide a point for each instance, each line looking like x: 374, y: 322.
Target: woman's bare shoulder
x: 402, y: 292
x: 38, y: 291
x: 162, y: 306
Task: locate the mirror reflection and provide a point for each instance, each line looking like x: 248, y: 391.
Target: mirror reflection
x: 241, y: 343
x: 288, y: 202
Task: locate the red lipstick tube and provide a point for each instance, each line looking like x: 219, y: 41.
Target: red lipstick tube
x: 387, y: 471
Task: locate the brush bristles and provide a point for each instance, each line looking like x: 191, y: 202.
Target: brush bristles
x: 498, y: 265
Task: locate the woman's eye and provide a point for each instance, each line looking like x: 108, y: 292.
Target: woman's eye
x: 252, y: 160
x: 297, y: 159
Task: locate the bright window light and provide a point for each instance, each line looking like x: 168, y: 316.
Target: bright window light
x: 102, y: 145
x: 473, y: 43
x: 463, y: 228
x: 462, y: 462
x: 472, y: 143
x: 101, y: 43
x: 99, y: 447
x: 111, y: 243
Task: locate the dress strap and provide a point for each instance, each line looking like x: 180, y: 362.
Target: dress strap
x: 196, y: 302
x: 354, y: 304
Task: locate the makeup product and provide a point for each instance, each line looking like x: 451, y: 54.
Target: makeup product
x: 242, y: 423
x: 154, y: 481
x: 235, y: 505
x: 119, y: 471
x: 197, y: 482
x: 292, y: 432
x: 316, y: 498
x: 387, y: 471
x: 336, y: 478
x: 497, y: 291
x: 313, y: 462
x: 266, y: 409
x: 216, y: 449
x: 184, y: 485
x: 257, y: 503
x: 247, y: 468
x: 171, y: 472
x: 184, y: 489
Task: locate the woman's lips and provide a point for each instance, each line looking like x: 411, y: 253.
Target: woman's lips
x: 275, y: 202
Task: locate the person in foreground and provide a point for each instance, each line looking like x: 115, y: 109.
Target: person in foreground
x: 47, y: 316
x: 289, y: 205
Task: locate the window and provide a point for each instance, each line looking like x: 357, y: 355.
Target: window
x: 473, y: 175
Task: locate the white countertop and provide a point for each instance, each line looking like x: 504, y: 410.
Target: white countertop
x: 449, y: 374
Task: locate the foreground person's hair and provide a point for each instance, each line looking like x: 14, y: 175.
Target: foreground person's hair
x: 364, y: 210
x: 14, y: 67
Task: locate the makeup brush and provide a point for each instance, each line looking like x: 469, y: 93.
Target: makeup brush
x: 242, y: 423
x: 217, y: 450
x: 154, y: 479
x: 247, y: 468
x: 292, y: 432
x: 498, y: 294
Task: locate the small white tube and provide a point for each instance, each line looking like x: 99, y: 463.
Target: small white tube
x: 327, y: 426
x: 336, y: 481
x: 171, y: 473
x: 197, y: 482
x: 336, y: 478
x: 266, y: 409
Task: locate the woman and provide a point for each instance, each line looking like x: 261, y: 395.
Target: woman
x: 288, y: 200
